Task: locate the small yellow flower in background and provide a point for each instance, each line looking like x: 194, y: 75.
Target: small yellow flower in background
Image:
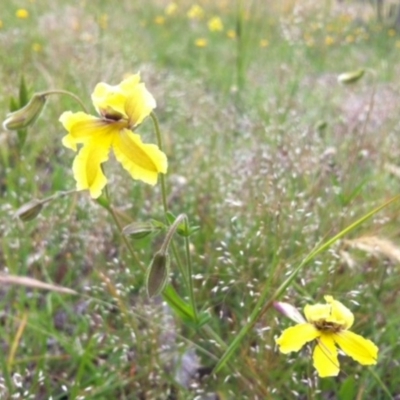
x: 37, y: 47
x: 22, y: 13
x: 215, y: 24
x: 1, y: 23
x: 201, y: 42
x: 264, y: 43
x: 346, y: 18
x: 195, y: 12
x: 329, y: 40
x: 328, y: 324
x: 171, y: 8
x: 350, y: 38
x: 391, y: 32
x: 103, y: 21
x: 159, y: 20
x: 231, y: 34
x: 121, y: 108
x: 398, y: 44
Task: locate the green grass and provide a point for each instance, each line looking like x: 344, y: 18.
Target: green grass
x: 247, y: 163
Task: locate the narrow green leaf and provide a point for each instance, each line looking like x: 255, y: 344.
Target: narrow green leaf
x: 179, y: 306
x: 170, y: 217
x: 23, y: 93
x: 348, y: 389
x: 14, y: 106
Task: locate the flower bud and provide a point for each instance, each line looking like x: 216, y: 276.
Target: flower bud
x: 289, y: 311
x: 27, y: 115
x: 157, y: 274
x: 348, y: 78
x: 29, y: 211
x: 139, y: 230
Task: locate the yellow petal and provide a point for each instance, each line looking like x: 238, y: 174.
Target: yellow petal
x: 139, y: 104
x: 142, y: 161
x: 325, y: 356
x: 130, y: 82
x: 334, y: 311
x: 295, y: 337
x: 109, y: 100
x: 87, y: 165
x: 317, y: 312
x: 359, y: 349
x: 340, y: 314
x: 83, y: 127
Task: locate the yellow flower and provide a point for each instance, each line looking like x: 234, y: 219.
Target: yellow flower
x: 159, y: 20
x: 37, y: 47
x: 171, y: 8
x: 103, y: 21
x: 231, y: 34
x: 215, y: 24
x: 22, y: 13
x: 121, y: 108
x: 195, y: 12
x: 264, y: 43
x: 329, y: 40
x: 328, y: 324
x: 201, y: 42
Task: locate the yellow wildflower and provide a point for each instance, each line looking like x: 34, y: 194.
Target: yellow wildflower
x: 171, y: 8
x: 215, y: 24
x: 22, y: 13
x: 159, y: 20
x: 231, y: 34
x: 195, y: 12
x: 329, y: 40
x: 201, y: 42
x: 103, y: 21
x: 37, y: 47
x: 328, y: 324
x: 264, y: 43
x: 121, y: 108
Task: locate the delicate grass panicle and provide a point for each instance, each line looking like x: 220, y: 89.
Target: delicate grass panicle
x: 255, y: 175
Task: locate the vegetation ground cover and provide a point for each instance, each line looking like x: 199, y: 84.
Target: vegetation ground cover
x: 268, y: 154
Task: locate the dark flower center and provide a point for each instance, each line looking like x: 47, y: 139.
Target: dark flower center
x: 327, y: 326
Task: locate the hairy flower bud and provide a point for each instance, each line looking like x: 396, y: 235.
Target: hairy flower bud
x: 139, y: 230
x: 157, y: 274
x: 29, y: 211
x: 348, y: 78
x: 27, y: 115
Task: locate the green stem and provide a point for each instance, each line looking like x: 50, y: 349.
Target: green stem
x: 186, y: 277
x: 107, y: 205
x: 189, y: 270
x: 65, y: 92
x: 162, y: 177
x: 381, y: 384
